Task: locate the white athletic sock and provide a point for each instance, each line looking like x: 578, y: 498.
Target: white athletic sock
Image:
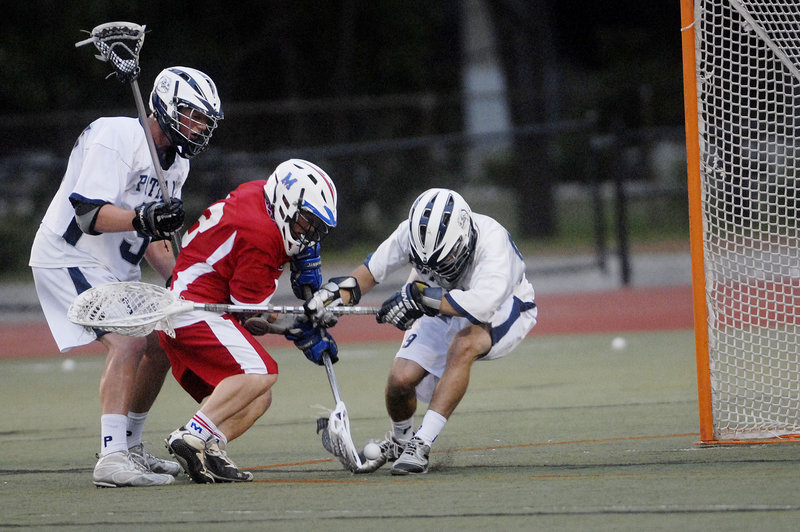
x: 222, y: 441
x: 135, y: 426
x: 432, y: 425
x: 113, y: 437
x: 201, y: 426
x: 402, y: 429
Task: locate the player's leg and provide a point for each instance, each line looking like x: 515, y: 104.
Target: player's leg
x: 234, y: 405
x: 411, y: 371
x: 401, y: 395
x: 149, y: 379
x: 219, y: 464
x: 116, y: 466
x: 236, y: 425
x: 57, y: 288
x: 510, y: 324
x: 468, y: 344
x: 217, y: 358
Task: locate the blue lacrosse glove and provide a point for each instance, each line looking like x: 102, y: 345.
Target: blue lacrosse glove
x: 306, y: 270
x: 313, y: 341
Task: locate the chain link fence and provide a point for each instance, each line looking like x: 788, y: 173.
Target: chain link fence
x: 393, y: 148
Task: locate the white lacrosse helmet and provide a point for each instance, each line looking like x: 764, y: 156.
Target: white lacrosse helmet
x: 183, y: 91
x: 442, y: 234
x: 302, y: 198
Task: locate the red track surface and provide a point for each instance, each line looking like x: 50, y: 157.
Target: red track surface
x: 639, y: 309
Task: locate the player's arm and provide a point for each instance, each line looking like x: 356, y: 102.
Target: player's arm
x: 96, y: 216
x: 154, y: 219
x: 160, y: 258
x: 365, y: 281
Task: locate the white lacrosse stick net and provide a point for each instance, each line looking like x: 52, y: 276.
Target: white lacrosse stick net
x: 340, y: 441
x: 131, y: 308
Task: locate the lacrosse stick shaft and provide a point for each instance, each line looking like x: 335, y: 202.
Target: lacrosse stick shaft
x: 326, y: 358
x: 151, y: 144
x: 280, y: 309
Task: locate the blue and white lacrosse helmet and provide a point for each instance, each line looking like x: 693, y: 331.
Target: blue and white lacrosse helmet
x: 302, y: 198
x: 183, y: 91
x: 442, y: 235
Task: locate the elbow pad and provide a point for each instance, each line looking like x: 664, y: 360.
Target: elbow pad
x: 86, y: 214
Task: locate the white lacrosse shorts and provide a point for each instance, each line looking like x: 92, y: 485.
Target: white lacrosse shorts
x: 57, y: 288
x: 429, y: 338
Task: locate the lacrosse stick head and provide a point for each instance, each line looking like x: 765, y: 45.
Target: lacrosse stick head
x: 130, y: 309
x: 119, y: 44
x: 335, y: 432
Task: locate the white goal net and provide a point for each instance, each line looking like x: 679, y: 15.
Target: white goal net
x: 747, y: 55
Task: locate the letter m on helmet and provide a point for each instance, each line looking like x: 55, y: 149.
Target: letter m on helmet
x: 288, y: 181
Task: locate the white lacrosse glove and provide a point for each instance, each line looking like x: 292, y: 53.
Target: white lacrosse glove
x: 329, y: 295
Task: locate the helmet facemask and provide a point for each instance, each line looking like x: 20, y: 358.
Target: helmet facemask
x: 447, y: 271
x: 307, y: 228
x: 200, y: 127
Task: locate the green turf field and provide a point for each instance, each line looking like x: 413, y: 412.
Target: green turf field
x: 564, y: 434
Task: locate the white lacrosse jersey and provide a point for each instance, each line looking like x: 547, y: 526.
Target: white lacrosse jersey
x: 495, y: 273
x: 110, y: 162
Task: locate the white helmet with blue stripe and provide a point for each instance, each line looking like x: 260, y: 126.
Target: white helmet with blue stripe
x: 302, y: 198
x: 188, y: 93
x: 442, y: 235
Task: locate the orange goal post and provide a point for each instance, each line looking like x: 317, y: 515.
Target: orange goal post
x: 741, y: 69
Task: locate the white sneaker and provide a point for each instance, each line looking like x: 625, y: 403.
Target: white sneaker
x: 222, y: 467
x: 391, y: 449
x: 189, y: 451
x: 155, y: 464
x: 116, y: 470
x: 414, y: 459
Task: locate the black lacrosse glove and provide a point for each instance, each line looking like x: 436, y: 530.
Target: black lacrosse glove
x: 157, y: 219
x: 306, y: 270
x: 410, y: 303
x: 330, y: 294
x: 313, y: 341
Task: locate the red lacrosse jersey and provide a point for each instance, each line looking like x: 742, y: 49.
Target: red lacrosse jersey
x: 233, y: 254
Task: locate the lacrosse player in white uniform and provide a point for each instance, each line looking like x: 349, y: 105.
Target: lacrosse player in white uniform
x: 467, y: 299
x: 107, y: 215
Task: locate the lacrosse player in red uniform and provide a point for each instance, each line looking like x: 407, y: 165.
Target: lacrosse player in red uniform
x: 235, y: 253
x: 467, y: 299
x: 98, y: 227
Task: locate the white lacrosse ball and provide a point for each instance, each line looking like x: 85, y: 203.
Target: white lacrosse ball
x: 372, y: 451
x: 619, y: 343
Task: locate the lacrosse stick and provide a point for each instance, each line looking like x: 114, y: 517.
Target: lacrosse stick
x: 136, y: 309
x: 119, y: 43
x: 336, y: 428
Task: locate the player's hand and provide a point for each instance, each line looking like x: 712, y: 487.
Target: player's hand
x: 306, y: 270
x: 313, y: 341
x: 157, y: 219
x: 330, y: 294
x: 409, y: 304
